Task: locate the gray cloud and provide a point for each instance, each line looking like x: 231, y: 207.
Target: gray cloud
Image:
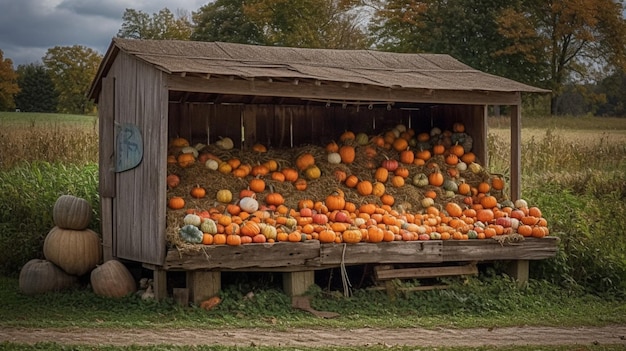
x: 28, y: 28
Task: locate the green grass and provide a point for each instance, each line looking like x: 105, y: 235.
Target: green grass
x: 486, y: 302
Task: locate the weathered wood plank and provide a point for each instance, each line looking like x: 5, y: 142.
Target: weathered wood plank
x: 387, y: 252
x: 247, y: 256
x: 424, y: 272
x: 292, y: 257
x: 487, y: 250
x: 338, y: 92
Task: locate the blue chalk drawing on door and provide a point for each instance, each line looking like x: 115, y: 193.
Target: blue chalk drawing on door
x: 128, y: 147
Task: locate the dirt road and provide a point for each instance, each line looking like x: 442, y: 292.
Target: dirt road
x: 615, y: 335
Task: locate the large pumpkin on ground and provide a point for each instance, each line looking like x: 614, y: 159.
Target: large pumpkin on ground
x: 71, y: 212
x: 112, y: 279
x: 41, y: 276
x: 75, y: 251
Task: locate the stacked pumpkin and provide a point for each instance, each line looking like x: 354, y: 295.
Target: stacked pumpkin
x: 396, y: 186
x: 70, y: 249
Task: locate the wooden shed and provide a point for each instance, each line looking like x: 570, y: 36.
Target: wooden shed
x: 281, y: 97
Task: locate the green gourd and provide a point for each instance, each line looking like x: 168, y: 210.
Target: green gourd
x: 191, y: 234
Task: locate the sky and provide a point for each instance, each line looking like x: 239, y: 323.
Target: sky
x: 28, y: 28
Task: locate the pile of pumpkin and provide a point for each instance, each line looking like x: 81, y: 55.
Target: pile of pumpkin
x: 400, y: 185
x: 72, y: 250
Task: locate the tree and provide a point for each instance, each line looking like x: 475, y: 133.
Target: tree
x: 464, y: 29
x: 37, y: 91
x: 575, y: 39
x: 162, y: 25
x: 306, y: 23
x: 225, y: 20
x: 309, y: 23
x: 8, y: 83
x: 72, y: 68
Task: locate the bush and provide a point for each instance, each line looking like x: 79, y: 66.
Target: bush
x: 589, y: 219
x: 28, y: 194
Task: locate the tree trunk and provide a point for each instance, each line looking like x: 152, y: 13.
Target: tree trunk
x: 554, y: 102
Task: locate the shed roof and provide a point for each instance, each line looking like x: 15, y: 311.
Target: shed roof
x: 367, y: 67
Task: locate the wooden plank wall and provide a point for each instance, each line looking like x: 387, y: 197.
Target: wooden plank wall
x: 140, y: 199
x: 277, y: 125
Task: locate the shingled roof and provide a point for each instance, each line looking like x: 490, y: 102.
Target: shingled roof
x: 367, y: 67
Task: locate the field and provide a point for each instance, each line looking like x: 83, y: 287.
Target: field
x: 574, y: 168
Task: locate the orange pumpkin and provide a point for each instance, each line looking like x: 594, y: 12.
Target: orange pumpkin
x: 423, y: 155
x: 489, y: 201
x: 387, y: 199
x: 291, y: 175
x: 275, y: 199
x: 335, y: 201
x: 453, y: 209
x: 347, y: 154
x: 400, y: 144
x: 173, y: 180
x: 364, y: 188
x: 176, y: 203
x: 327, y: 236
x: 233, y: 240
x: 497, y: 183
x: 185, y: 160
x: 332, y: 147
x: 351, y: 181
x: 304, y: 161
x: 435, y: 178
x: 382, y: 174
x: 257, y: 185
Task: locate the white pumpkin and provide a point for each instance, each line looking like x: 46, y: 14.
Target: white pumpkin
x: 248, y: 204
x: 192, y: 219
x: 225, y: 143
x: 190, y: 150
x: 211, y: 164
x: 334, y: 158
x: 521, y: 203
x: 461, y: 166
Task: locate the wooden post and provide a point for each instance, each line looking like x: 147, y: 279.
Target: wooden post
x: 297, y: 283
x: 519, y: 271
x: 159, y: 283
x: 203, y: 285
x: 516, y: 150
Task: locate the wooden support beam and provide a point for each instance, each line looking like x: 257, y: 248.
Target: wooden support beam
x: 297, y: 283
x: 159, y: 283
x: 518, y: 270
x: 203, y: 285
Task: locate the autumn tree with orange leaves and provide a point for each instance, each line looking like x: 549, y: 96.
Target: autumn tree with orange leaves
x: 548, y: 43
x: 579, y: 40
x: 8, y: 83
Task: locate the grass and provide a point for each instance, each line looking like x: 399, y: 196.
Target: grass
x: 493, y: 301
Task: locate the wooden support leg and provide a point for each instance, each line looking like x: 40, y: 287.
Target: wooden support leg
x: 203, y: 285
x: 519, y: 271
x: 159, y: 283
x: 297, y: 283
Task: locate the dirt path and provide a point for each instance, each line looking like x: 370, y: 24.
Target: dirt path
x: 615, y: 335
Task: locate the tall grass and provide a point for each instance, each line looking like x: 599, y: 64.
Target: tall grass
x: 578, y: 178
